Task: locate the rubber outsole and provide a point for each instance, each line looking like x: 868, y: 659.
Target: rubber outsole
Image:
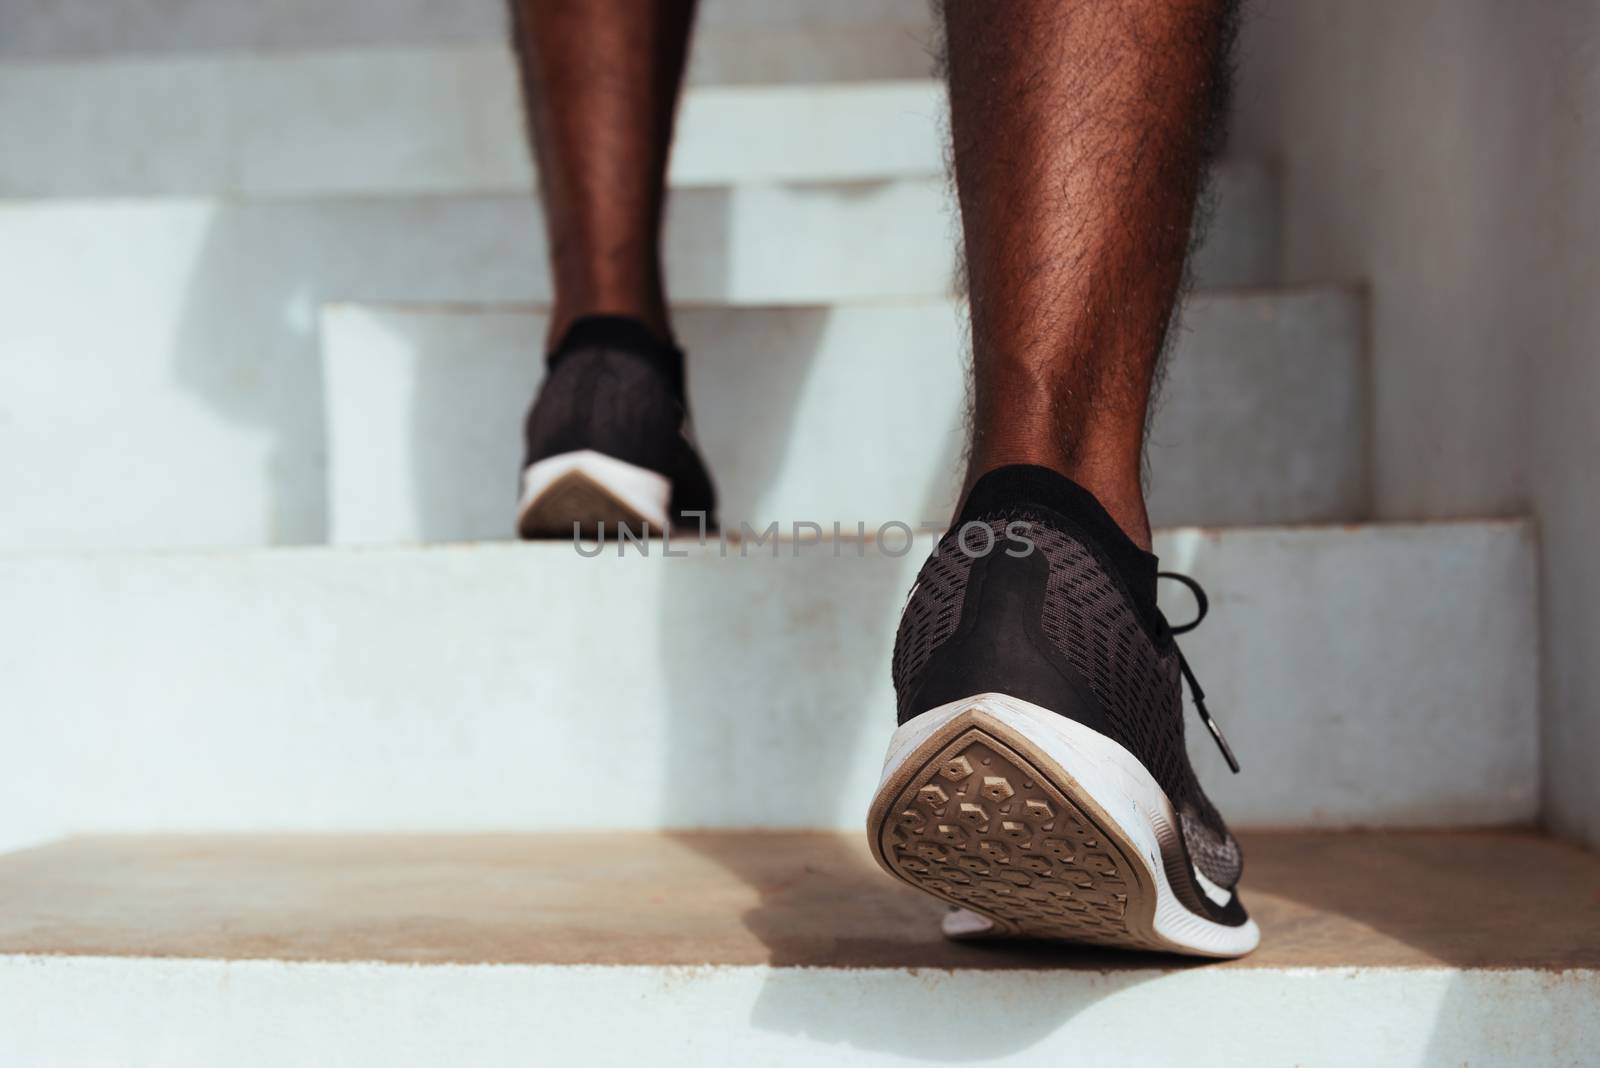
x: 977, y: 807
x: 577, y: 499
x: 977, y: 817
x: 592, y: 492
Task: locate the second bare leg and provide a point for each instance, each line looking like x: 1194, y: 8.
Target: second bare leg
x: 601, y: 81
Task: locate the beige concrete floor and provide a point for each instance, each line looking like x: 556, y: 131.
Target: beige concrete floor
x: 1470, y: 899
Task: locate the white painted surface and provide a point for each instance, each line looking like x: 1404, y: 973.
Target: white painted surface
x: 178, y: 1013
x: 407, y: 121
x: 1450, y: 154
x: 161, y: 385
x: 182, y: 404
x: 1364, y: 676
x: 848, y: 413
x: 45, y: 28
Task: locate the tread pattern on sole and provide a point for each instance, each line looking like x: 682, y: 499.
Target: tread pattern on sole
x: 981, y: 827
x: 577, y: 498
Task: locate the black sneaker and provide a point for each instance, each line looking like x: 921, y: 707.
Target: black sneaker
x: 1039, y: 779
x: 608, y: 438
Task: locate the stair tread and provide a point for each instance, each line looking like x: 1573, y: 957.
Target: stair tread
x: 412, y: 688
x: 791, y: 899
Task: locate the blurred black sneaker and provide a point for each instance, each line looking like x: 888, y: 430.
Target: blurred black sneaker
x: 608, y: 439
x: 1039, y: 779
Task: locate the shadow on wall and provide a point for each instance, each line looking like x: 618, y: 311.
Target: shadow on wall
x: 248, y: 345
x: 248, y: 341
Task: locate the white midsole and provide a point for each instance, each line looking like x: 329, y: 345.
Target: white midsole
x: 646, y: 493
x: 1119, y: 784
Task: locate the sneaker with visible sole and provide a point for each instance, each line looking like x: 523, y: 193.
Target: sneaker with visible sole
x: 1038, y: 780
x: 609, y: 440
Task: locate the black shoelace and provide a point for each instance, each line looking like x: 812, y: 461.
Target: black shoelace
x: 1195, y: 691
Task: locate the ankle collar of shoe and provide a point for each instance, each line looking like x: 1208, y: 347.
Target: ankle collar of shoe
x: 1018, y: 487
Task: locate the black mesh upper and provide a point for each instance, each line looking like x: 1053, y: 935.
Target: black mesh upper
x: 626, y: 403
x: 1129, y: 666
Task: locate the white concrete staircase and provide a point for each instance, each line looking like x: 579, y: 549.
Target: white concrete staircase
x: 851, y: 412
x: 202, y: 345
x: 484, y: 686
x: 314, y: 285
x: 763, y: 949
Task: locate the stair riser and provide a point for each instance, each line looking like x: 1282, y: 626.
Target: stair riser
x: 270, y: 1014
x: 522, y: 687
x: 148, y: 27
x: 436, y: 121
x: 850, y: 413
x: 408, y: 121
x: 215, y: 375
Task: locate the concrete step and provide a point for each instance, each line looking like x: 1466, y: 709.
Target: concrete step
x: 119, y: 28
x: 446, y: 120
x: 839, y: 413
x: 738, y: 54
x: 408, y: 121
x: 1366, y: 675
x: 767, y: 949
x: 206, y: 426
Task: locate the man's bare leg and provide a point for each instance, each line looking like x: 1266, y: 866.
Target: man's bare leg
x: 1081, y: 129
x: 1039, y: 777
x: 600, y: 81
x: 604, y: 441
